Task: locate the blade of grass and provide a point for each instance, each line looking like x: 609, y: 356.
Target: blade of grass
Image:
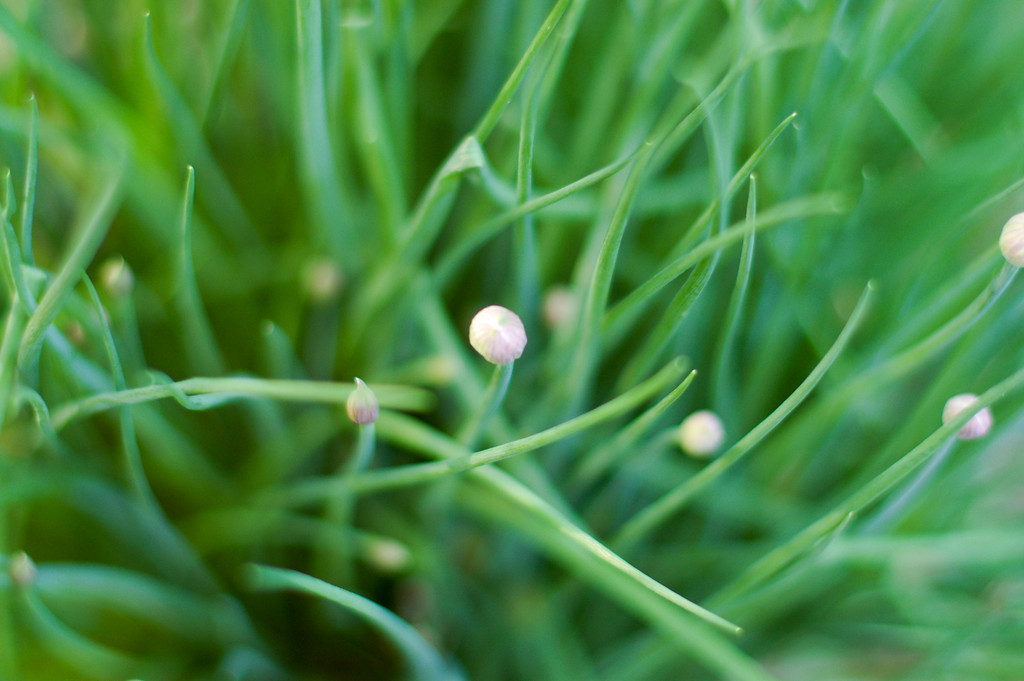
x: 596, y: 461
x: 722, y: 376
x: 92, y: 659
x: 564, y: 539
x: 375, y: 140
x: 492, y: 227
x: 13, y: 272
x: 704, y: 643
x: 13, y: 328
x: 596, y: 298
x: 200, y: 343
x: 657, y: 512
x: 526, y: 274
x: 735, y: 183
x: 658, y: 338
x: 490, y: 118
x: 423, y: 660
x: 28, y: 196
x: 238, y: 387
x: 223, y: 201
x: 93, y: 227
x: 332, y: 216
x: 886, y: 371
x: 625, y: 310
x: 227, y: 50
x: 93, y: 590
x: 133, y: 471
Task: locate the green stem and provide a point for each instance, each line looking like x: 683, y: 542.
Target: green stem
x: 335, y: 547
x: 474, y: 427
x: 95, y: 224
x: 424, y: 661
x: 28, y: 199
x: 493, y: 114
x: 234, y: 387
x: 457, y: 460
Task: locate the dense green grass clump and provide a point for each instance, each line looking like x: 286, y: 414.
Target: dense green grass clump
x: 217, y: 215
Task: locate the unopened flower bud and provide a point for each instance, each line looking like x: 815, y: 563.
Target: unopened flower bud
x: 22, y: 570
x: 361, y: 404
x: 1011, y: 241
x: 977, y: 426
x: 559, y: 307
x: 116, y: 277
x: 389, y: 556
x: 497, y: 334
x: 701, y: 433
x: 322, y: 279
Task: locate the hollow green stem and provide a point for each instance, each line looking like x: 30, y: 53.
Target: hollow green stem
x: 424, y: 661
x: 335, y: 547
x: 190, y: 392
x: 474, y: 427
x: 459, y: 460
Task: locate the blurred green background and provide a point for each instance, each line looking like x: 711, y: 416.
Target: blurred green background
x: 357, y: 169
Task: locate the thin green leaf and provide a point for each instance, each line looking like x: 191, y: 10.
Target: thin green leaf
x: 28, y: 197
x: 722, y: 375
x: 200, y: 343
x: 93, y: 227
x: 627, y: 309
x: 240, y: 387
x: 423, y: 660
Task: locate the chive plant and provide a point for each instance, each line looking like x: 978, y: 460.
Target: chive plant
x: 778, y: 236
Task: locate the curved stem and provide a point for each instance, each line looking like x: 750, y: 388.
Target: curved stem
x: 473, y: 428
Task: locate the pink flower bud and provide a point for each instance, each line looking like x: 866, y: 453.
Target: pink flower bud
x: 977, y: 426
x: 497, y: 334
x: 361, y: 404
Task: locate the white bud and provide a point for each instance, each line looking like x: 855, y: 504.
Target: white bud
x: 1011, y: 241
x: 977, y: 426
x: 388, y: 556
x: 701, y: 433
x: 322, y: 279
x: 361, y: 404
x: 22, y: 570
x: 559, y: 307
x: 497, y: 334
x: 116, y: 277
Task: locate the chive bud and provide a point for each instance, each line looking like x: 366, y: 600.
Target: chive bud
x: 1011, y: 241
x: 497, y: 334
x: 559, y: 307
x: 22, y: 570
x: 701, y: 433
x: 116, y: 277
x: 977, y: 426
x: 322, y: 279
x: 361, y: 404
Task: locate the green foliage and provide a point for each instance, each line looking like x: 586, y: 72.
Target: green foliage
x: 216, y: 215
